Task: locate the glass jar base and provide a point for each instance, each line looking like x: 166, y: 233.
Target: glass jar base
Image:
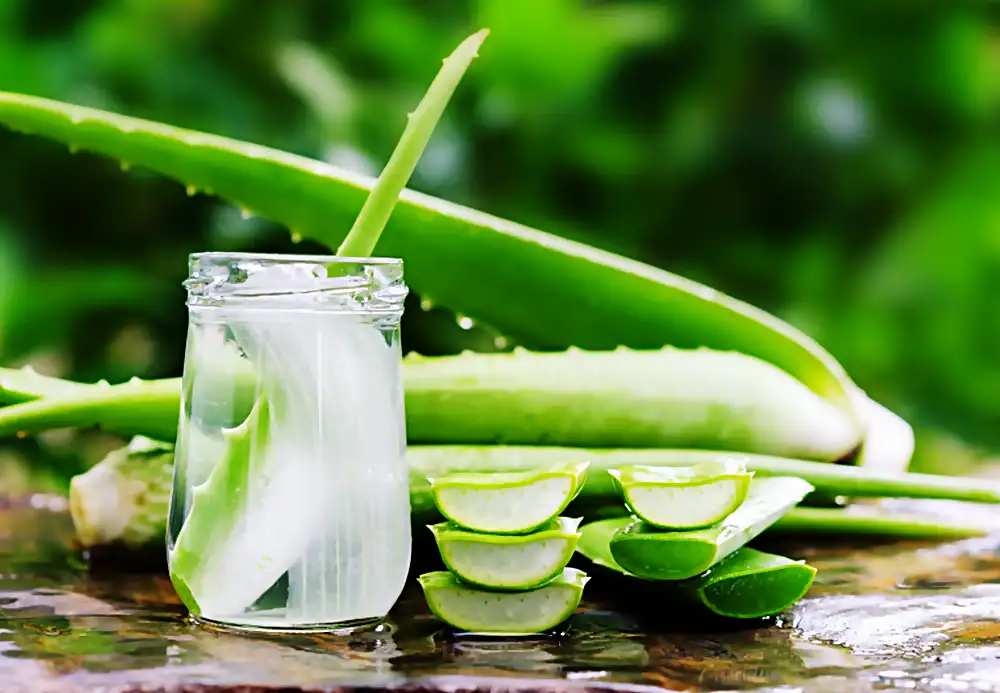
x: 343, y: 628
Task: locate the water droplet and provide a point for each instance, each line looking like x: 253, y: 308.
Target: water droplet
x: 191, y: 190
x: 465, y: 323
x: 73, y: 149
x: 296, y: 237
x: 124, y: 166
x: 501, y: 342
x: 426, y: 304
x: 245, y: 214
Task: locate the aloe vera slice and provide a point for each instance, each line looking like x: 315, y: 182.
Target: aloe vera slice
x: 503, y: 613
x: 659, y: 555
x: 508, y: 503
x: 747, y: 584
x: 506, y: 561
x: 691, y: 497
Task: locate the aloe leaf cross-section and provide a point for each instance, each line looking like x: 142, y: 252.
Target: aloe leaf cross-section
x: 508, y: 503
x: 475, y: 610
x: 660, y: 555
x: 508, y: 561
x: 689, y: 497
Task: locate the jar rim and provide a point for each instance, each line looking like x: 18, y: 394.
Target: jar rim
x: 222, y: 256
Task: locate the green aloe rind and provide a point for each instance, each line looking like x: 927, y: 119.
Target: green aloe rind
x: 684, y: 498
x: 749, y: 584
x: 522, y: 613
x: 506, y: 562
x: 511, y: 502
x: 662, y: 555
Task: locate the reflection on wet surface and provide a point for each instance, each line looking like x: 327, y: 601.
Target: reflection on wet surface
x: 924, y: 618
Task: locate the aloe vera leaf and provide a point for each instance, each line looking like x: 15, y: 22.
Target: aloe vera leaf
x: 508, y: 613
x: 748, y: 584
x: 507, y: 562
x: 125, y: 497
x: 148, y: 408
x: 691, y: 497
x: 193, y: 560
x: 665, y: 398
x: 508, y: 503
x: 600, y: 489
x: 574, y: 291
x: 114, y: 522
x: 25, y: 384
x: 660, y: 555
x: 364, y: 234
x: 872, y: 521
x: 688, y: 398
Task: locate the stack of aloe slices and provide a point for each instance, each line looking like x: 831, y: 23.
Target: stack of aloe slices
x: 689, y: 530
x: 506, y: 547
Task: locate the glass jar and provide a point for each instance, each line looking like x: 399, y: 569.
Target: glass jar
x: 290, y: 505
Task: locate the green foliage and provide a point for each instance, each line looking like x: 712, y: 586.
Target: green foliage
x: 788, y: 153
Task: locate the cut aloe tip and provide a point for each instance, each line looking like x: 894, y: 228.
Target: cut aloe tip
x: 474, y: 610
x: 664, y: 555
x: 689, y: 497
x: 748, y: 584
x: 508, y: 561
x: 510, y: 502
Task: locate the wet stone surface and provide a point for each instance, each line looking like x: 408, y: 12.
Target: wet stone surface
x: 880, y: 617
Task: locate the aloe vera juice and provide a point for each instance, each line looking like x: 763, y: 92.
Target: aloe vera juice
x: 290, y: 506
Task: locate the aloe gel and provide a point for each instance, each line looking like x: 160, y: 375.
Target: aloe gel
x: 508, y: 502
x: 508, y: 562
x: 290, y: 506
x: 503, y: 613
x: 690, y: 497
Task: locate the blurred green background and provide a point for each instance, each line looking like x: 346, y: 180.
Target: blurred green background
x: 836, y: 163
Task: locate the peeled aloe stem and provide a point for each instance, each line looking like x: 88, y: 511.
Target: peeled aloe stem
x: 114, y: 522
x: 574, y: 291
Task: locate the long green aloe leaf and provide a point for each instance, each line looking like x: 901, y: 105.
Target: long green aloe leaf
x: 557, y: 293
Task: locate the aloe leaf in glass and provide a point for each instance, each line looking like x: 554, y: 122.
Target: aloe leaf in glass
x: 475, y: 610
x: 684, y: 497
x: 663, y: 555
x: 507, y: 562
x: 304, y: 522
x: 508, y: 503
x: 747, y: 584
